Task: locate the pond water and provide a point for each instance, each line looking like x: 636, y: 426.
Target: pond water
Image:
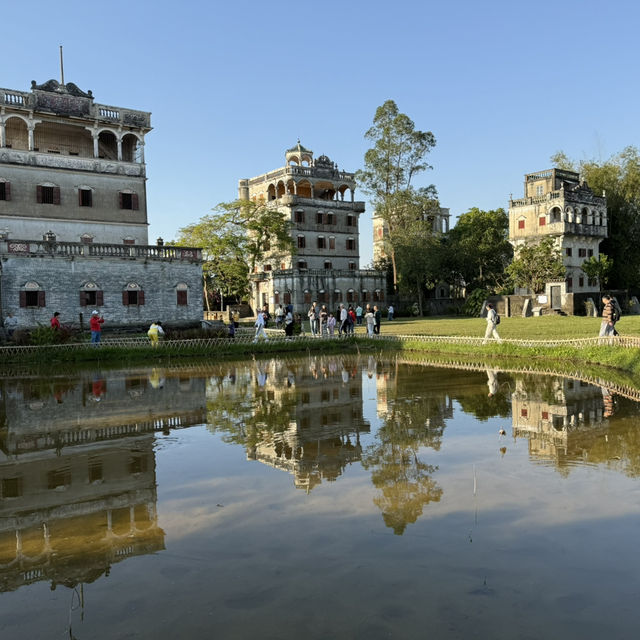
x: 321, y: 497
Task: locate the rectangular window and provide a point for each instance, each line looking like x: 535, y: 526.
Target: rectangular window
x: 91, y: 298
x: 352, y: 266
x: 181, y: 297
x: 287, y: 297
x: 299, y: 216
x: 327, y: 264
x: 128, y: 241
x: 351, y: 221
x: 11, y: 488
x: 267, y: 267
x: 301, y: 242
x: 59, y: 478
x: 128, y: 201
x: 332, y: 243
x: 542, y: 220
x: 133, y: 298
x: 85, y: 197
x: 590, y: 253
x: 5, y: 191
x: 569, y: 252
x: 569, y: 284
x: 365, y: 295
x: 540, y: 190
x: 520, y: 224
x: 524, y: 412
x: 302, y: 264
x: 307, y: 297
x: 351, y: 244
x: 47, y: 195
x: 32, y: 299
x: 95, y: 471
x: 582, y: 253
x: 331, y: 218
x: 320, y: 218
x: 321, y: 242
x: 581, y: 281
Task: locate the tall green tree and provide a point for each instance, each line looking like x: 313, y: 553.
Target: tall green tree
x: 479, y: 249
x: 598, y: 269
x: 535, y: 264
x: 235, y: 238
x: 398, y: 154
x: 618, y: 178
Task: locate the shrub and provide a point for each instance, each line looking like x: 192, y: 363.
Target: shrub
x: 473, y: 304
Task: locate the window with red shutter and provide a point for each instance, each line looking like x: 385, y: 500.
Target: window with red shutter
x: 41, y: 299
x: 56, y: 195
x: 134, y: 201
x: 181, y: 297
x: 140, y: 297
x: 99, y: 298
x: 39, y: 194
x: 83, y: 299
x: 23, y: 298
x: 125, y: 298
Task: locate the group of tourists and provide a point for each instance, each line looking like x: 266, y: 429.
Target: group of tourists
x: 326, y: 324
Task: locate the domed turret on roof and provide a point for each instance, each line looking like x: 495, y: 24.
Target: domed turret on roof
x: 299, y: 155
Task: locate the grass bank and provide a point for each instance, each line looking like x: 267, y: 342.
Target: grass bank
x: 613, y: 357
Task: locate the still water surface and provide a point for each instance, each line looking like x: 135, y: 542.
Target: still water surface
x: 317, y: 498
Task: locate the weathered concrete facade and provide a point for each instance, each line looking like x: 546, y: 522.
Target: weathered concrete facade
x: 73, y: 215
x: 319, y: 200
x: 558, y: 204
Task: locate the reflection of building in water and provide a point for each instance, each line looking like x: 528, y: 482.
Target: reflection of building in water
x: 320, y: 407
x: 429, y: 389
x: 77, y: 472
x: 51, y: 413
x: 549, y: 412
x: 68, y: 518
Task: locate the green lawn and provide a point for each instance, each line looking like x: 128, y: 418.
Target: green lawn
x: 532, y: 328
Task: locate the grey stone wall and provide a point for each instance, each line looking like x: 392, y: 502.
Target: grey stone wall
x: 62, y: 280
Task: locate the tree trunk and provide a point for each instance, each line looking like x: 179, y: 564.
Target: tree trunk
x: 395, y: 271
x: 206, y: 294
x: 420, y: 299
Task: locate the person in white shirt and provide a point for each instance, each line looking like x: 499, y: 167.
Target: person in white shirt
x: 492, y: 323
x: 342, y: 328
x: 259, y: 325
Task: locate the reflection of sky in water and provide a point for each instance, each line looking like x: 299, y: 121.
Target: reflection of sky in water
x: 531, y: 534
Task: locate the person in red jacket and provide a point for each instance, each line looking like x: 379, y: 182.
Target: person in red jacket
x: 55, y: 322
x: 96, y: 326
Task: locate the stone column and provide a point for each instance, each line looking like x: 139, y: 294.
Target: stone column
x: 119, y: 145
x: 95, y: 144
x: 31, y: 126
x: 3, y: 139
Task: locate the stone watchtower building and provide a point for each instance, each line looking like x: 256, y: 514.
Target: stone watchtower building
x: 73, y: 215
x: 319, y: 200
x: 558, y: 204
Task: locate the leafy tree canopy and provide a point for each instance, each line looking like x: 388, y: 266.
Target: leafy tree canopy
x: 398, y: 154
x: 235, y: 238
x: 479, y: 249
x: 535, y: 264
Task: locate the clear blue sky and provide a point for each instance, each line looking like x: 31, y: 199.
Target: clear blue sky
x: 502, y: 85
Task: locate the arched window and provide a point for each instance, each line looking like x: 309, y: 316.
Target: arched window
x: 91, y: 295
x: 132, y: 295
x: 32, y: 295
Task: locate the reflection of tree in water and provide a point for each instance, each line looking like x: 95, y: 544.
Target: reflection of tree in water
x: 404, y: 480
